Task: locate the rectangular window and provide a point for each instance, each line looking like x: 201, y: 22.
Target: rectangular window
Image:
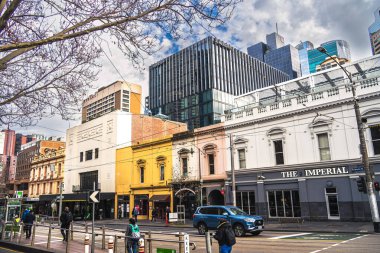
x: 87, y: 180
x: 241, y: 154
x: 284, y: 203
x: 375, y: 136
x: 211, y: 164
x: 96, y: 153
x: 81, y: 157
x: 88, y: 155
x: 184, y: 166
x: 142, y: 170
x: 162, y: 172
x: 278, y: 151
x: 324, y: 148
x: 246, y: 201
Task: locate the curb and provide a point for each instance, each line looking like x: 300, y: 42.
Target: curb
x: 22, y: 248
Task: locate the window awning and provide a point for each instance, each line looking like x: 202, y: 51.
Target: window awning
x: 160, y: 198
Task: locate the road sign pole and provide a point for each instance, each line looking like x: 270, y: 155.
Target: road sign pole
x: 93, y: 220
x: 60, y: 203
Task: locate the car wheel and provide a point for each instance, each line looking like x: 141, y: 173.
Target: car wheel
x: 202, y: 228
x: 239, y: 230
x: 256, y: 232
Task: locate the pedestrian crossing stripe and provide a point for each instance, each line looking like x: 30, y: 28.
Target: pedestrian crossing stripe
x: 322, y: 236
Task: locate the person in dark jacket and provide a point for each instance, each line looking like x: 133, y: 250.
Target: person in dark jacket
x: 225, y: 236
x: 66, y: 219
x: 28, y: 221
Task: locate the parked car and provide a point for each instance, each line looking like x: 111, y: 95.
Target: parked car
x: 207, y: 217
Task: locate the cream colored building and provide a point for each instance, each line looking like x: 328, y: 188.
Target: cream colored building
x: 47, y: 172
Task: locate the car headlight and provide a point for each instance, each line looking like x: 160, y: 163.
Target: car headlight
x: 249, y: 220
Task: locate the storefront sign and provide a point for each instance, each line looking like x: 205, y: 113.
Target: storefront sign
x: 315, y: 172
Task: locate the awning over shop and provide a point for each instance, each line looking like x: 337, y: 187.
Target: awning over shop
x: 160, y: 198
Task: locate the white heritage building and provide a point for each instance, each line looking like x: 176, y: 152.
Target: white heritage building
x: 296, y: 145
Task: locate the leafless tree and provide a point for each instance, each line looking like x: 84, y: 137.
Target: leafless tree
x: 49, y: 48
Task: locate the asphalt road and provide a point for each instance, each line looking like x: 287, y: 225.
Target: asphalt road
x: 268, y: 241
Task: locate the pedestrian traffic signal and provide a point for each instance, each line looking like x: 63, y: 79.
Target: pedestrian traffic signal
x: 361, y: 184
x: 376, y: 186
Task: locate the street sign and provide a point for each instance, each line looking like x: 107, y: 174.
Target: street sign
x: 94, y: 197
x: 18, y: 194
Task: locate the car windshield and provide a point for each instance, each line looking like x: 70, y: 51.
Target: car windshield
x: 237, y: 211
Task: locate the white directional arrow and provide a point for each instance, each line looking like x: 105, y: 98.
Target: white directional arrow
x: 93, y: 196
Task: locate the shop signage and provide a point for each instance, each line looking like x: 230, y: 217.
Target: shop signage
x: 315, y: 172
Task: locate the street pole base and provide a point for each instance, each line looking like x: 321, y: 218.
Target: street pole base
x: 376, y: 227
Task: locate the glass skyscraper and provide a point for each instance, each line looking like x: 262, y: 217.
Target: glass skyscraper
x: 374, y: 33
x: 303, y: 47
x: 336, y: 48
x: 277, y: 54
x: 199, y: 82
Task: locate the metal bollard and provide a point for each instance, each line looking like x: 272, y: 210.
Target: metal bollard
x: 104, y: 237
x: 49, y: 237
x: 11, y: 233
x: 68, y: 241
x: 33, y: 234
x: 21, y: 232
x: 110, y: 244
x: 208, y: 242
x: 86, y: 243
x: 72, y: 231
x: 181, y: 244
x: 86, y: 227
x: 115, y: 244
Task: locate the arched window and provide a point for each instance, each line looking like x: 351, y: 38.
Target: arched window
x: 210, y: 153
x: 276, y: 136
x: 161, y: 166
x: 184, y: 160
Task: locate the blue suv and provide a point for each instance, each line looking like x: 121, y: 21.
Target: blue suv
x: 207, y: 217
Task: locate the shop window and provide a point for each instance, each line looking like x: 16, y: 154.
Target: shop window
x: 141, y: 201
x: 241, y: 155
x: 211, y: 164
x: 246, y: 201
x: 324, y: 147
x: 284, y: 203
x: 88, y: 155
x: 375, y: 136
x: 96, y: 153
x: 278, y: 152
x: 81, y: 157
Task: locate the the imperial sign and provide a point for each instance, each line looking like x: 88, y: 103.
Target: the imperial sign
x: 315, y: 172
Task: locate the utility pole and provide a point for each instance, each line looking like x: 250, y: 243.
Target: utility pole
x: 60, y: 202
x: 232, y: 171
x: 93, y: 224
x: 363, y: 148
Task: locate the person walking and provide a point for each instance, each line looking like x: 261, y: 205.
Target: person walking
x: 154, y: 214
x: 28, y: 221
x: 167, y: 212
x: 66, y: 219
x: 133, y: 236
x: 135, y: 212
x: 225, y: 236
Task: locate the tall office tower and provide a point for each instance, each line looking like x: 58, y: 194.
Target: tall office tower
x: 199, y: 82
x: 303, y: 47
x: 277, y: 54
x: 116, y: 96
x: 338, y: 49
x: 374, y: 33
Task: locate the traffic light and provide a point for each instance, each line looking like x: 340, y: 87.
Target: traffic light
x: 361, y: 184
x: 376, y: 186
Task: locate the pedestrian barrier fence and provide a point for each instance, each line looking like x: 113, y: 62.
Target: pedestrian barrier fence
x: 114, y: 240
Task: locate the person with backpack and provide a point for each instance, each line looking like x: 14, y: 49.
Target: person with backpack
x: 225, y: 236
x: 133, y: 236
x: 66, y: 219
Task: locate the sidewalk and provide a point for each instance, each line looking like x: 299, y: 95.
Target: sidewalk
x: 307, y: 226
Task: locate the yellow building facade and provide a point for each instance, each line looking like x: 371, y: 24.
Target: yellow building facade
x: 143, y: 179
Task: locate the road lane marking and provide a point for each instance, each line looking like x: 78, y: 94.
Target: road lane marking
x: 286, y: 236
x: 337, y: 244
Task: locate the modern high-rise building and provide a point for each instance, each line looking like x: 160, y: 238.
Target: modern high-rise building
x: 303, y: 47
x: 198, y: 83
x: 116, y: 96
x: 374, y: 33
x: 339, y: 49
x: 277, y: 54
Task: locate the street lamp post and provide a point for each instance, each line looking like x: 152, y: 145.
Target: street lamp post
x: 363, y: 148
x: 232, y: 171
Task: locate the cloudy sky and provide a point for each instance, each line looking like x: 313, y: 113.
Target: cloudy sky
x: 315, y: 20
